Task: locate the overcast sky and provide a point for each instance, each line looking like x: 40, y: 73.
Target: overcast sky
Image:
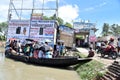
x: 96, y: 11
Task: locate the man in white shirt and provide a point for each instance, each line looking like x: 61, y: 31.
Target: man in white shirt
x: 47, y: 47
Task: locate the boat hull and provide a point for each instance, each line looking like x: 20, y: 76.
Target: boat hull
x: 62, y: 61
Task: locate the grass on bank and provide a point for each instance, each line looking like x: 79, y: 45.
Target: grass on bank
x: 91, y: 70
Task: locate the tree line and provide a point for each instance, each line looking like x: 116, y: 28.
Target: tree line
x: 113, y: 29
x: 3, y: 30
x: 60, y: 20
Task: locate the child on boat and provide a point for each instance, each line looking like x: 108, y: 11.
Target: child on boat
x: 49, y: 53
x: 91, y: 52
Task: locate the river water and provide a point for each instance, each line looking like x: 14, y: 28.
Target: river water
x: 15, y: 70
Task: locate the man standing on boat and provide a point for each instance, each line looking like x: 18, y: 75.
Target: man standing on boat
x: 48, y: 50
x: 58, y: 48
x: 47, y: 47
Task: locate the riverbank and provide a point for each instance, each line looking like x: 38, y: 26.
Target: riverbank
x: 2, y: 43
x: 2, y: 49
x: 95, y: 68
x: 86, y: 71
x: 89, y: 70
x: 2, y: 46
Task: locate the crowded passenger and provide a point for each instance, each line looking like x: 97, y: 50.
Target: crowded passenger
x: 18, y: 47
x: 98, y: 45
x: 47, y: 47
x: 58, y: 49
x: 36, y: 50
x: 35, y: 53
x: 27, y: 50
x: 62, y: 47
x: 91, y: 45
x: 49, y: 53
x: 104, y: 44
x: 118, y: 46
x: 13, y: 51
x: 40, y: 54
x: 91, y: 52
x: 111, y: 42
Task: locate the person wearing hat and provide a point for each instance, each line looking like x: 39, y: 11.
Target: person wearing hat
x: 47, y: 47
x: 111, y: 44
x: 111, y: 41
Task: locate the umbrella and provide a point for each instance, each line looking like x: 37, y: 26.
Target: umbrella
x: 12, y: 39
x: 28, y: 42
x: 48, y: 40
x: 60, y: 41
x: 29, y: 39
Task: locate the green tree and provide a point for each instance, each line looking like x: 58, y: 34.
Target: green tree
x: 45, y: 18
x: 0, y: 29
x: 115, y: 29
x: 60, y: 21
x: 105, y: 30
x: 68, y: 24
x: 3, y: 26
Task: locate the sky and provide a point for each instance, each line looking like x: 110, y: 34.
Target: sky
x: 96, y: 11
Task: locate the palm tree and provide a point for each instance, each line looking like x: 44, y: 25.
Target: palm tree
x: 115, y: 29
x: 60, y: 20
x: 105, y: 30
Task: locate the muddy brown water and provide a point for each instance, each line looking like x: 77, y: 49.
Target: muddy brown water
x: 15, y: 70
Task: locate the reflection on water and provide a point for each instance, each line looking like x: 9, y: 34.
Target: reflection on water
x: 15, y: 70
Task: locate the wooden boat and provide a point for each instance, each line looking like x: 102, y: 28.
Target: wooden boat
x: 61, y: 61
x: 58, y: 61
